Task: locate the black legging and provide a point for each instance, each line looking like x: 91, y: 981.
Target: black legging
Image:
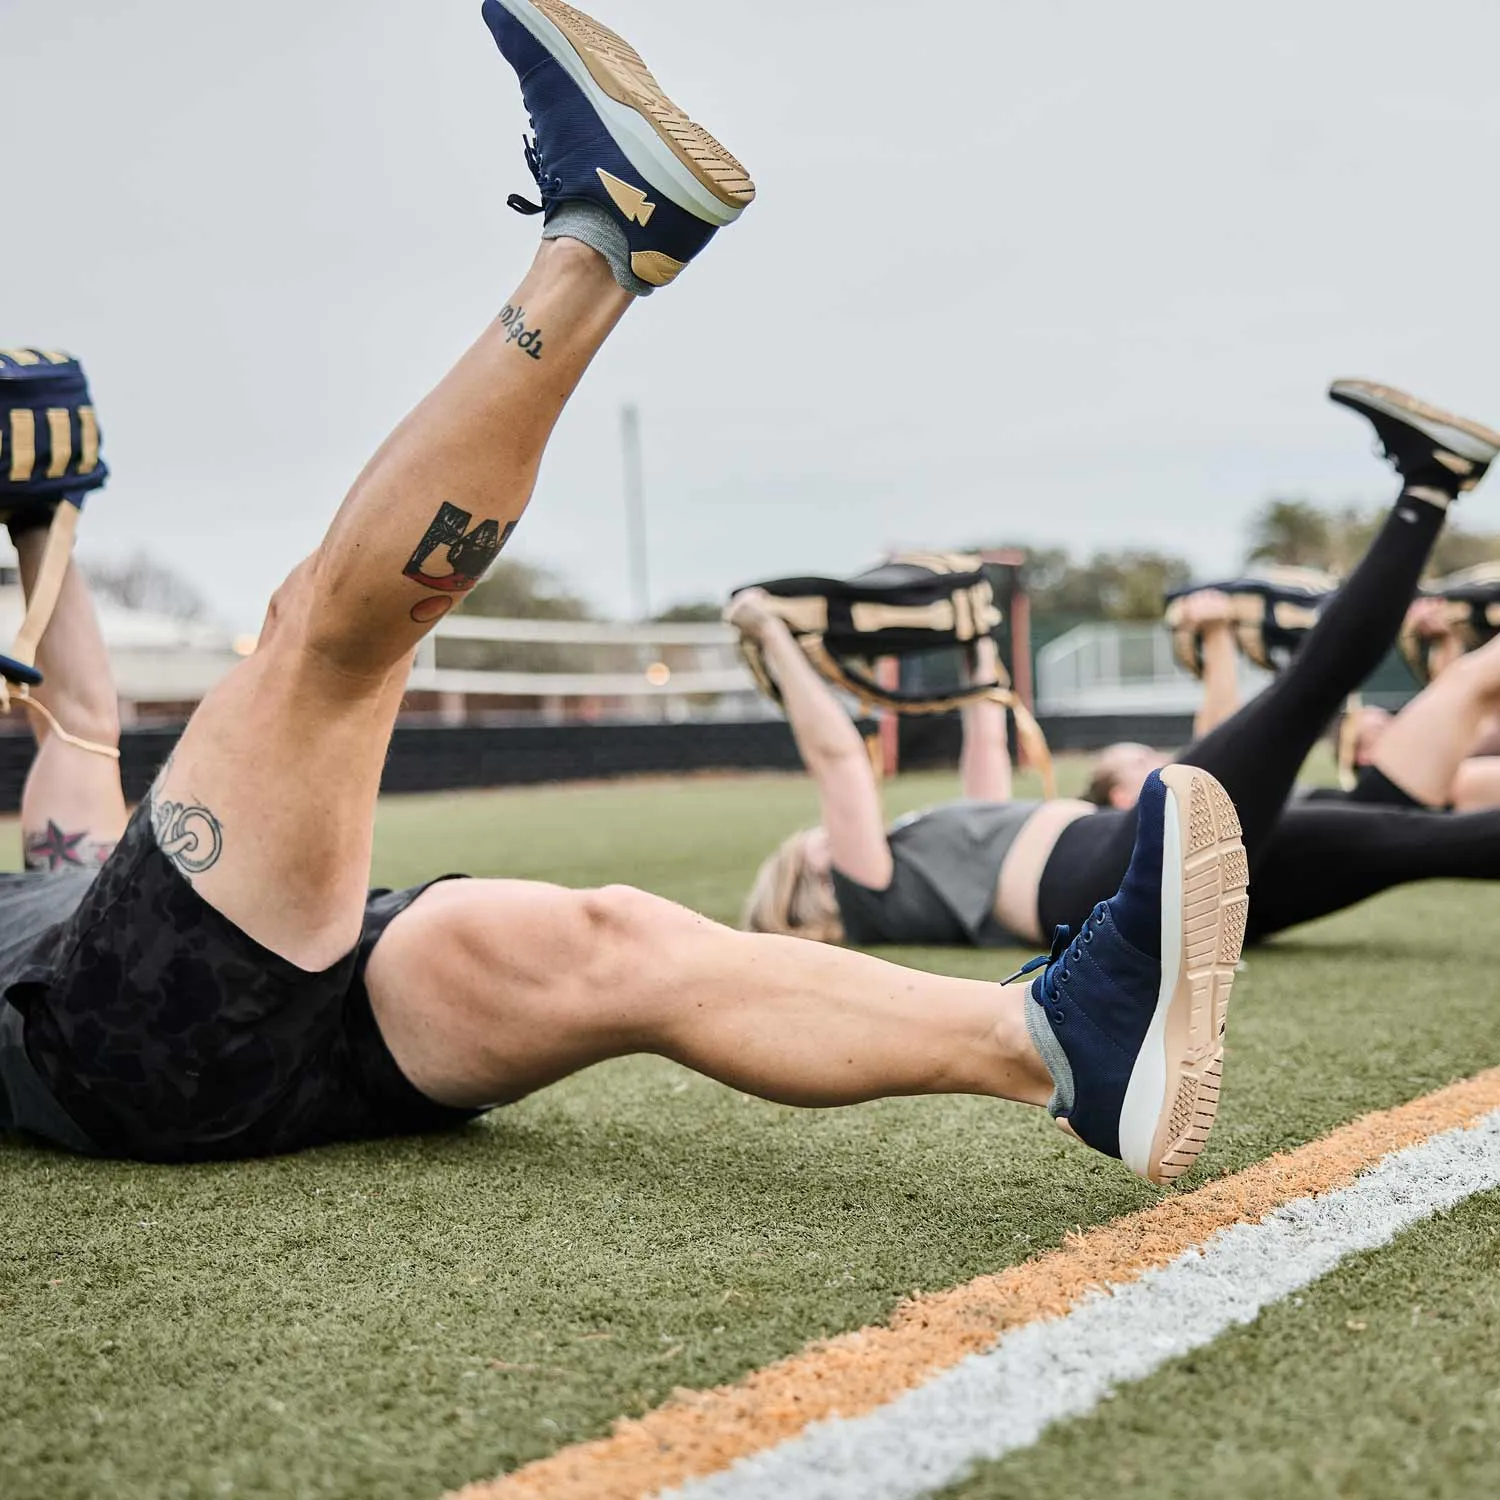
x: 1326, y: 858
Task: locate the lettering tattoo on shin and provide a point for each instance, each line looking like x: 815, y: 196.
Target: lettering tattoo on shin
x: 56, y: 849
x: 467, y: 553
x: 188, y: 834
x: 527, y: 340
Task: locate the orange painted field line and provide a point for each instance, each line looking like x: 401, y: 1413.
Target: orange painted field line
x: 698, y: 1433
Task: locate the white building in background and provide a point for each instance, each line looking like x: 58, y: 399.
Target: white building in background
x: 1115, y: 668
x: 162, y: 665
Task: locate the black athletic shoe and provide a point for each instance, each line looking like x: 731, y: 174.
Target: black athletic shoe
x: 1427, y: 446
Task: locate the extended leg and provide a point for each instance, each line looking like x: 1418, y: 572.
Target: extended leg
x: 1324, y: 858
x: 488, y: 990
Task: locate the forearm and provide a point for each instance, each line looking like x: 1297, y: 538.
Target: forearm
x: 984, y: 764
x: 78, y: 682
x: 823, y: 731
x: 72, y: 808
x: 1221, y: 690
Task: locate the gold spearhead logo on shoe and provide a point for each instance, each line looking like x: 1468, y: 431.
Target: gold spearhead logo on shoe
x: 631, y: 201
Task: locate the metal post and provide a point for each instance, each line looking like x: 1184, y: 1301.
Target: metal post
x: 635, y: 513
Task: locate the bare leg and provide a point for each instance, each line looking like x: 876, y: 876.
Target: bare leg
x: 1476, y: 787
x: 72, y: 808
x: 1428, y: 741
x: 488, y: 990
x: 268, y: 802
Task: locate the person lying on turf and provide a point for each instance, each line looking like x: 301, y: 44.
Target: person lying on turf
x: 1440, y: 750
x: 994, y: 872
x: 227, y: 986
x: 1427, y: 756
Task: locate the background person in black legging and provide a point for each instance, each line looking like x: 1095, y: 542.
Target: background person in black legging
x: 1257, y: 753
x: 990, y: 871
x: 1436, y: 754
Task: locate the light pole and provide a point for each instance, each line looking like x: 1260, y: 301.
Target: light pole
x: 635, y: 512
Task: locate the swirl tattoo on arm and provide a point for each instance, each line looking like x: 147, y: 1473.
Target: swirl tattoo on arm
x: 189, y: 835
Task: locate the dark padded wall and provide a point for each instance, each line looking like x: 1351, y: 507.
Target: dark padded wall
x: 436, y: 758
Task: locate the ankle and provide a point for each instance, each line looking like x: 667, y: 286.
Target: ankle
x: 582, y: 229
x: 1025, y: 1076
x: 1435, y: 489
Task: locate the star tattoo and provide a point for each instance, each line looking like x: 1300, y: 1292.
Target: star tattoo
x: 55, y: 850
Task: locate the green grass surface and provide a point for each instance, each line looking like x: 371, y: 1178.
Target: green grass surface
x: 393, y: 1320
x: 1382, y: 1380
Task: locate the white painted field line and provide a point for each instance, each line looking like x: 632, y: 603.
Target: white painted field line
x: 1001, y: 1401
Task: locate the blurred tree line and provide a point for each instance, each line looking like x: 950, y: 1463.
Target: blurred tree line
x: 1129, y: 584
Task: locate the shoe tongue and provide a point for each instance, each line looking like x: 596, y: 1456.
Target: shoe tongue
x: 517, y: 45
x: 1135, y: 909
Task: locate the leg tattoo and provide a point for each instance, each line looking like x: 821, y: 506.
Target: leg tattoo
x: 469, y: 553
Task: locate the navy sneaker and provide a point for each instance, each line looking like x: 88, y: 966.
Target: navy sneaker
x: 1425, y: 444
x: 607, y: 135
x: 1129, y: 1016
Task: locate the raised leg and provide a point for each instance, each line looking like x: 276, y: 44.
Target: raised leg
x: 1257, y: 753
x: 267, y: 804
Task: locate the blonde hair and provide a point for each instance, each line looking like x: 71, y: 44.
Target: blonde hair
x: 792, y: 899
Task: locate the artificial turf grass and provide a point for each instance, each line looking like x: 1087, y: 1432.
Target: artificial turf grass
x: 326, y: 1325
x: 1381, y: 1380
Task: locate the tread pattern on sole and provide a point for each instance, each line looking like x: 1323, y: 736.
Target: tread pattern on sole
x: 1215, y: 909
x: 619, y: 70
x: 1419, y: 408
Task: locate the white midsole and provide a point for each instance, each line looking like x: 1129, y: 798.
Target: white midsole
x: 1146, y: 1094
x: 1454, y: 439
x: 633, y: 133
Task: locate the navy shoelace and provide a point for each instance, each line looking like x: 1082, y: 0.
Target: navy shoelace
x: 550, y: 185
x: 1065, y: 947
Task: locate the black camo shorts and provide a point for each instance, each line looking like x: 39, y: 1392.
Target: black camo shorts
x: 169, y: 1035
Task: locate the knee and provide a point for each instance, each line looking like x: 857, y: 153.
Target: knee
x: 308, y: 619
x: 1476, y: 672
x: 286, y: 614
x: 628, y: 934
x: 640, y: 955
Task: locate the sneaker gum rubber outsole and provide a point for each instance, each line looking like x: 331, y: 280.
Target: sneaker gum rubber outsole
x: 1415, y: 407
x: 618, y: 69
x: 1215, y: 906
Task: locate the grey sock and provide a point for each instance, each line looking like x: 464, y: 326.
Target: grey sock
x: 592, y: 226
x: 1045, y: 1042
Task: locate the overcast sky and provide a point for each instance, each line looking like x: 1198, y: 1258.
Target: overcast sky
x: 1060, y: 271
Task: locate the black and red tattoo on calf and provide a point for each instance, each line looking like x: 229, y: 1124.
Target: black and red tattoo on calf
x: 469, y: 554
